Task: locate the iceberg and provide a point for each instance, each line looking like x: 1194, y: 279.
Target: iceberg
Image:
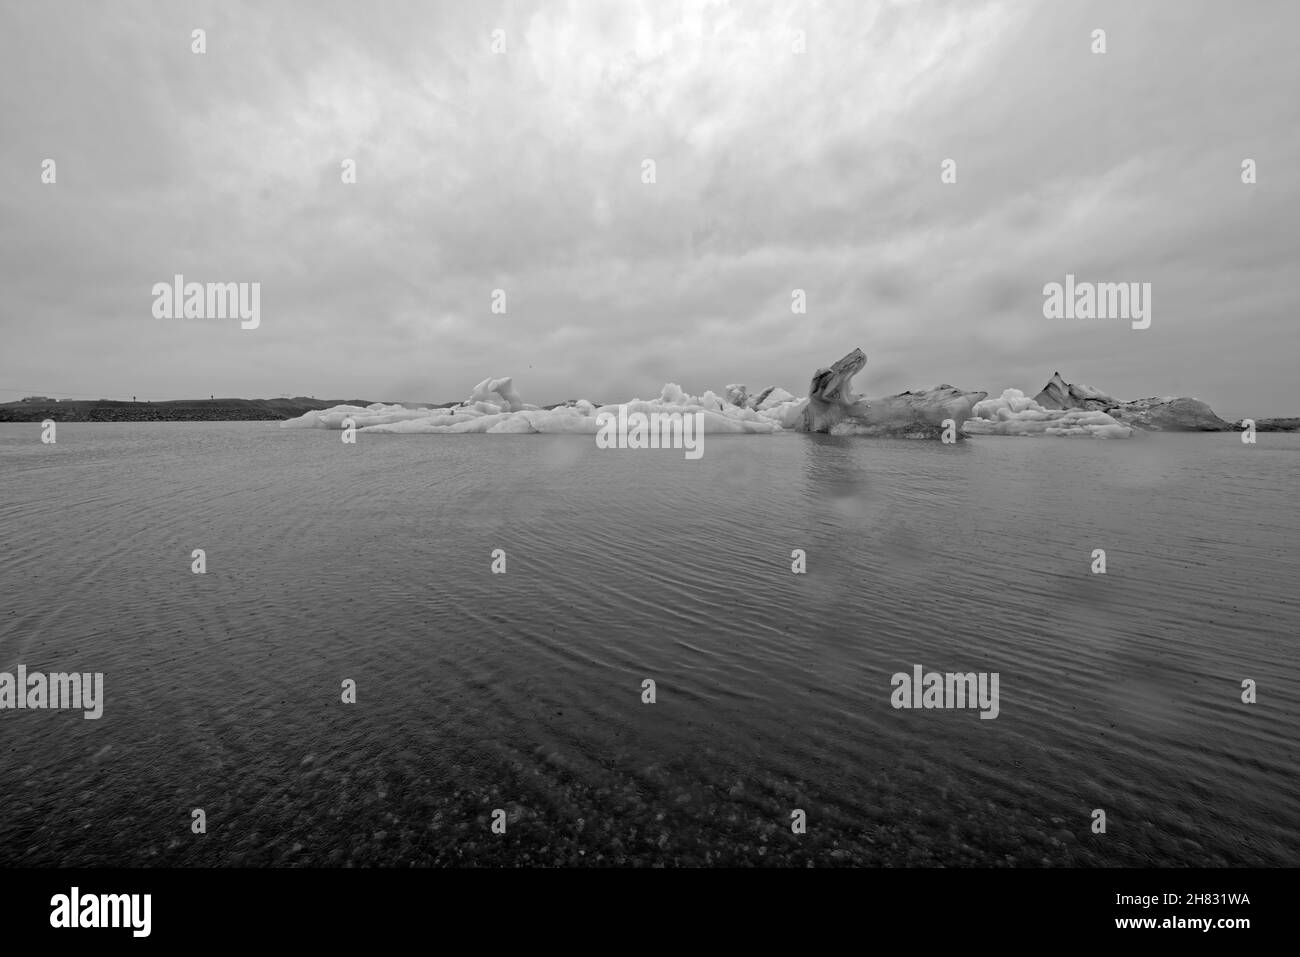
x: 914, y: 414
x: 1059, y: 394
x: 1014, y: 413
x: 1156, y: 414
x: 1170, y: 414
x: 830, y: 400
x: 833, y: 407
x: 499, y: 393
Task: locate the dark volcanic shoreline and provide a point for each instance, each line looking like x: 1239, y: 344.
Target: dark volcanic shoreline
x: 177, y: 410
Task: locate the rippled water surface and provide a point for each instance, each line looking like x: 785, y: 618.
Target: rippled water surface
x: 522, y: 691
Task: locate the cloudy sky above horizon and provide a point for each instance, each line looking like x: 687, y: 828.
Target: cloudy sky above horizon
x: 775, y: 170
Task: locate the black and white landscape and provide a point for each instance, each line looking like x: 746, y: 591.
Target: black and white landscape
x: 648, y: 435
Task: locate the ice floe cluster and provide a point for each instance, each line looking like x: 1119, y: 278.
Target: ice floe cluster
x: 494, y: 406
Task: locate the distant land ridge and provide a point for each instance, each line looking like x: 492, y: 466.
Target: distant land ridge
x: 175, y: 410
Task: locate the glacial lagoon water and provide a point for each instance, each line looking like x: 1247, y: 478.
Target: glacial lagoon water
x: 523, y: 691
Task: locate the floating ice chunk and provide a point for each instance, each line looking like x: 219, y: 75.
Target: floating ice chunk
x: 1014, y: 413
x: 499, y: 393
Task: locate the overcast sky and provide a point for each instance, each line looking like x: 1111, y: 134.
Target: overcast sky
x: 775, y: 170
